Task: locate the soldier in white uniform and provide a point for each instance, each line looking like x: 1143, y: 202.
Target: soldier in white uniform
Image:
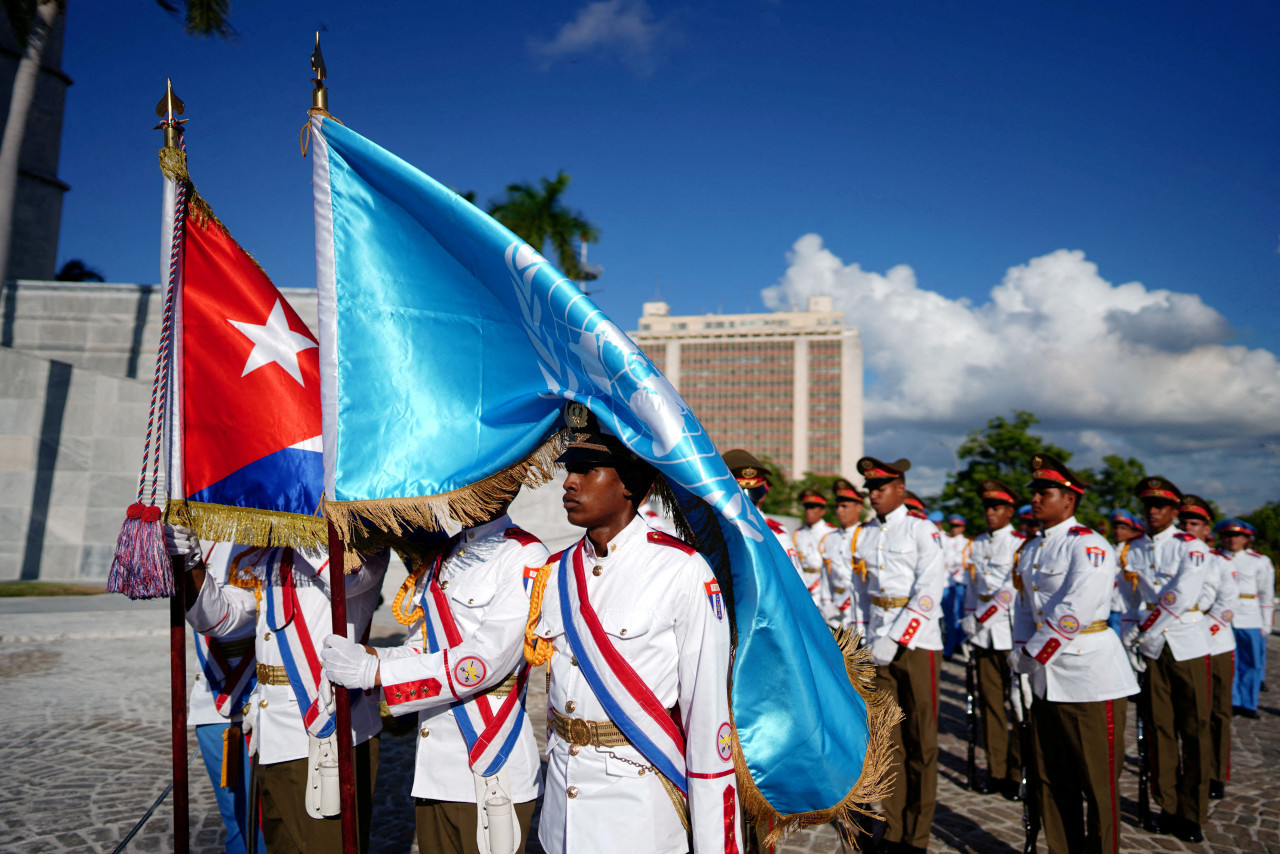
x: 290, y: 625
x: 955, y: 545
x: 753, y: 477
x: 1255, y: 580
x: 458, y: 670
x: 988, y: 624
x: 807, y: 541
x: 1196, y: 518
x: 218, y: 694
x: 1171, y: 641
x: 903, y: 559
x: 846, y: 587
x: 635, y: 631
x: 1079, y: 676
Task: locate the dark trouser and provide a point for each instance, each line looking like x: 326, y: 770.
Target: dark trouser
x: 1004, y: 753
x: 1222, y: 669
x: 288, y: 828
x: 1175, y: 707
x: 1079, y: 751
x: 912, y: 679
x: 449, y: 827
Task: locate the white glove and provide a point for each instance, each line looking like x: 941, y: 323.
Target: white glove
x: 883, y: 650
x: 1131, y: 637
x: 1136, y: 660
x: 346, y: 663
x: 971, y: 626
x: 1020, y: 662
x: 1150, y: 644
x: 180, y: 541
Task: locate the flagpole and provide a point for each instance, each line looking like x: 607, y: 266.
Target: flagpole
x: 342, y: 697
x: 177, y: 616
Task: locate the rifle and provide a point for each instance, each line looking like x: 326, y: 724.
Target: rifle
x: 1144, y: 798
x: 1021, y: 699
x: 971, y: 716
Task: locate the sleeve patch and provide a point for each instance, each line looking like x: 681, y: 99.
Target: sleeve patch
x: 407, y: 692
x: 1151, y: 620
x: 1169, y: 599
x: 724, y: 741
x: 937, y: 538
x: 1228, y: 615
x: 521, y: 536
x: 1068, y: 625
x: 1197, y: 558
x: 912, y: 628
x: 715, y: 597
x: 925, y: 603
x: 1096, y: 555
x: 659, y: 538
x: 1046, y: 652
x: 988, y: 614
x: 469, y: 671
x: 730, y: 820
x: 1005, y: 597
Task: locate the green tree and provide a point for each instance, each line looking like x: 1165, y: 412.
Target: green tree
x: 1112, y: 487
x: 1266, y: 519
x: 538, y: 216
x: 32, y: 21
x: 1002, y: 450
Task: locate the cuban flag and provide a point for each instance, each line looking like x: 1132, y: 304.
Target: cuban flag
x: 448, y: 348
x: 244, y: 425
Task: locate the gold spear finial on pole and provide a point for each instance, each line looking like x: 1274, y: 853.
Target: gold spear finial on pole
x: 319, y: 95
x: 170, y: 105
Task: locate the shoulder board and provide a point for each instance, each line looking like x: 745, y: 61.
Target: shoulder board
x: 1184, y: 536
x: 776, y: 526
x: 1080, y: 531
x: 917, y: 514
x: 659, y: 538
x: 1252, y: 553
x: 1019, y: 535
x: 521, y: 536
x: 555, y: 558
x: 1219, y: 553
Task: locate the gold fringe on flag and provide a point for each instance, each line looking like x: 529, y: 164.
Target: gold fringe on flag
x: 362, y: 522
x: 877, y: 779
x: 248, y: 526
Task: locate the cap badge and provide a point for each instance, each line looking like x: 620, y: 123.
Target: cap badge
x: 577, y: 415
x: 749, y: 472
x: 1037, y: 461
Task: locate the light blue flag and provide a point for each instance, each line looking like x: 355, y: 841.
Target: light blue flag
x: 448, y: 347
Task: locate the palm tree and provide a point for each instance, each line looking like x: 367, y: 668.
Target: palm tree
x: 538, y: 216
x: 32, y: 21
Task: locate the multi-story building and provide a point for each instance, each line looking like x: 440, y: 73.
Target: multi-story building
x: 785, y: 384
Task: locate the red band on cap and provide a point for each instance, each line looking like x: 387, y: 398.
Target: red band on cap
x: 1056, y: 477
x: 879, y: 474
x: 1158, y: 493
x: 1194, y: 509
x: 997, y: 496
x: 814, y: 499
x: 847, y: 493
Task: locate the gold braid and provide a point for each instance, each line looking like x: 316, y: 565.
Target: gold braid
x: 537, y: 650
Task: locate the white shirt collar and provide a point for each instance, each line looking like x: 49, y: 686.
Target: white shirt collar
x: 637, y: 528
x: 1061, y: 528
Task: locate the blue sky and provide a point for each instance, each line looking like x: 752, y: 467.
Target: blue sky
x: 706, y: 140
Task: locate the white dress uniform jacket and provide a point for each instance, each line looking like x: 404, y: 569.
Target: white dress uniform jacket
x: 484, y: 577
x: 201, y: 706
x: 1255, y: 580
x: 1172, y: 573
x: 837, y: 562
x: 221, y: 610
x: 807, y: 541
x: 651, y: 593
x: 1065, y: 577
x: 953, y: 557
x: 905, y: 579
x: 1220, y: 609
x: 990, y: 594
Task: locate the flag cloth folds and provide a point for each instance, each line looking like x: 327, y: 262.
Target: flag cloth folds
x: 448, y: 348
x: 243, y: 424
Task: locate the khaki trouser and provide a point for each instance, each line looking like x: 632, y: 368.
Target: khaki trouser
x: 449, y: 827
x: 1004, y: 752
x: 1222, y: 669
x: 1175, y: 707
x: 286, y: 826
x: 912, y: 679
x: 1079, y: 750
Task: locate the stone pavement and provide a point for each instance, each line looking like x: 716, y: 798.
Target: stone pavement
x: 83, y: 760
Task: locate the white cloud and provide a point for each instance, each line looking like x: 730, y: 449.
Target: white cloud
x: 625, y: 29
x: 1108, y: 368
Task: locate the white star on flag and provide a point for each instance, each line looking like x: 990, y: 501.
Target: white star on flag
x: 274, y: 341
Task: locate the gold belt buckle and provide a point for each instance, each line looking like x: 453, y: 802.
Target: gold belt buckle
x: 579, y: 732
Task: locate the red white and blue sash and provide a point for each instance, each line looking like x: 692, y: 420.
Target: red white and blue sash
x: 629, y: 702
x: 490, y: 725
x: 301, y: 663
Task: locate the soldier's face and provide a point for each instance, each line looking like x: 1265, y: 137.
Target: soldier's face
x: 593, y: 495
x: 1052, y: 505
x: 997, y: 515
x: 1234, y: 542
x: 1196, y: 527
x: 813, y: 513
x: 847, y: 513
x: 889, y: 497
x: 1159, y: 514
x: 1123, y: 532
